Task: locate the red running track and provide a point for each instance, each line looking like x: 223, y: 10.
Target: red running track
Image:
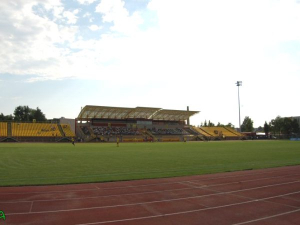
x: 269, y: 196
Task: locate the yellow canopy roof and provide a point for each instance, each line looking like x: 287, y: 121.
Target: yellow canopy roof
x: 107, y: 112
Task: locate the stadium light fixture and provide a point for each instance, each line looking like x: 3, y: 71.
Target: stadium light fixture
x: 238, y: 84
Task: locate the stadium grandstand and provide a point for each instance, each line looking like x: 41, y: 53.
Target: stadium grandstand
x: 218, y: 133
x: 102, y: 123
x: 142, y: 124
x: 35, y: 132
x: 107, y: 124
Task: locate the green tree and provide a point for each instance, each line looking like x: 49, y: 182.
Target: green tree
x: 230, y: 125
x: 210, y: 124
x: 260, y: 129
x: 38, y: 114
x: 6, y: 118
x: 277, y: 125
x: 247, y: 125
x: 22, y: 113
x: 26, y: 114
x: 266, y: 128
x: 287, y: 126
x: 295, y: 126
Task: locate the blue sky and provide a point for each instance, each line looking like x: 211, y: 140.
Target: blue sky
x: 62, y: 55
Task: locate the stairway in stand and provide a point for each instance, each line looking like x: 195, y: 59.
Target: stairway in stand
x: 151, y: 135
x: 61, y: 130
x: 9, y: 133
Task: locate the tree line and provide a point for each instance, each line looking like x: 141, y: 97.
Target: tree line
x: 279, y: 125
x: 210, y: 124
x: 24, y: 114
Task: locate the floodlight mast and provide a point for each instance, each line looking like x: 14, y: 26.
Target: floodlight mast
x: 238, y: 84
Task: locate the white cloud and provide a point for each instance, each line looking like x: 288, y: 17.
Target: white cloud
x: 87, y: 15
x: 71, y: 16
x: 28, y: 41
x: 86, y: 2
x: 94, y: 27
x: 197, y: 47
x: 15, y: 98
x: 114, y: 11
x: 192, y: 38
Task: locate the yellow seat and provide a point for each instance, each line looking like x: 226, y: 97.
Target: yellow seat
x: 35, y: 130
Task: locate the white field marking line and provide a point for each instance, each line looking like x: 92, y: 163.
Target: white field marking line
x: 196, y: 185
x: 193, y: 185
x: 185, y: 212
x: 213, y: 178
x: 149, y: 192
x: 243, y: 181
x: 158, y: 201
x: 101, y: 196
x: 296, y: 200
x: 267, y: 217
x: 96, y: 187
x: 205, y: 187
x: 241, y: 196
x: 146, y: 185
x: 31, y: 207
x: 278, y: 203
x: 47, y: 192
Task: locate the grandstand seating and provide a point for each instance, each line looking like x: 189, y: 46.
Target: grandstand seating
x: 201, y: 131
x: 213, y: 131
x: 35, y: 130
x: 115, y: 131
x: 222, y: 132
x: 166, y: 138
x: 132, y: 139
x: 67, y: 130
x: 168, y: 131
x: 231, y: 130
x: 3, y: 129
x: 189, y: 130
x: 156, y: 133
x: 85, y: 130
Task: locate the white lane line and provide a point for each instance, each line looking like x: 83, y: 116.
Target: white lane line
x: 279, y: 203
x: 184, y: 212
x: 155, y: 184
x: 96, y: 186
x: 205, y: 187
x: 194, y: 184
x: 296, y: 200
x: 47, y: 192
x: 168, y: 200
x: 268, y: 217
x: 31, y: 207
x: 101, y: 196
x: 195, y: 180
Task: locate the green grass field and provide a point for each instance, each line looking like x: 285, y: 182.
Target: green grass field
x: 36, y: 164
